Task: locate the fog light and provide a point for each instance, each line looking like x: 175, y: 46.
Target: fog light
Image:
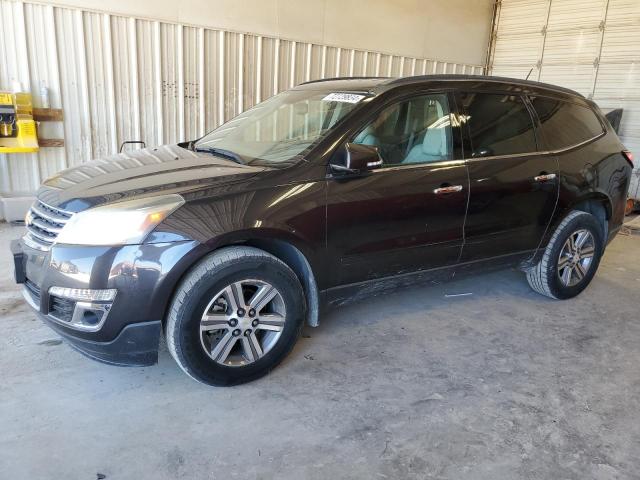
x: 80, y: 308
x: 91, y: 317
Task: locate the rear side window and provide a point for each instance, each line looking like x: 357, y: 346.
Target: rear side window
x: 498, y: 124
x: 565, y: 124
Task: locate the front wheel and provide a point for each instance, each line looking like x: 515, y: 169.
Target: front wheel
x: 235, y: 316
x: 571, y: 258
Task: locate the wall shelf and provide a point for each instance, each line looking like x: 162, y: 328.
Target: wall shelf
x: 47, y: 114
x: 51, y: 142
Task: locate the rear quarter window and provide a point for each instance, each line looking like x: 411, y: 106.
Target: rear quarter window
x: 564, y: 124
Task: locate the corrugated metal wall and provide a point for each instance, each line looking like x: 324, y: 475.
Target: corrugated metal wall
x: 120, y: 78
x: 592, y: 46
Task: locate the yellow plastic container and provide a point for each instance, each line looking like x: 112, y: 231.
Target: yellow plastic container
x: 17, y: 128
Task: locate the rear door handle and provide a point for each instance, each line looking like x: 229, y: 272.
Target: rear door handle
x: 545, y: 177
x: 448, y: 189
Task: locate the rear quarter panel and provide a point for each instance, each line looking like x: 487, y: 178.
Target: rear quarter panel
x: 597, y: 170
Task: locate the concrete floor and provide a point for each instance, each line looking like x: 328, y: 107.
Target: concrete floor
x: 500, y: 384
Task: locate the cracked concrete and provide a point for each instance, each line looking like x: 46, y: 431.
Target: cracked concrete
x: 500, y: 384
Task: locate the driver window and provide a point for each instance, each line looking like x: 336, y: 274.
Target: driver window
x: 413, y: 131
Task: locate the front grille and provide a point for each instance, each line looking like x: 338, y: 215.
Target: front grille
x: 44, y: 224
x: 61, y: 308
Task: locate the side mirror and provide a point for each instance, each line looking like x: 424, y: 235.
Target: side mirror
x: 358, y: 158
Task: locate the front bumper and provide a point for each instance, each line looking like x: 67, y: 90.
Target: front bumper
x: 135, y: 346
x: 143, y: 275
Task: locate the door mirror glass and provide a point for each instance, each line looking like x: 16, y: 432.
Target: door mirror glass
x: 358, y: 158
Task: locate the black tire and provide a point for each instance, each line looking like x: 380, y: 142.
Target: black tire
x: 211, y: 275
x: 543, y: 277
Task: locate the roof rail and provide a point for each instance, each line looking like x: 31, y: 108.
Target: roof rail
x: 485, y: 78
x: 343, y: 78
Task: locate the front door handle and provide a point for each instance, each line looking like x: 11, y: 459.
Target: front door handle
x: 448, y: 189
x: 544, y: 177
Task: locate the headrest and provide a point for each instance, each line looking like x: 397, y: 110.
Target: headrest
x: 435, y: 142
x: 367, y: 136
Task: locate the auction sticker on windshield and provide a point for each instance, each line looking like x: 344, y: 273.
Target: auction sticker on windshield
x: 343, y: 97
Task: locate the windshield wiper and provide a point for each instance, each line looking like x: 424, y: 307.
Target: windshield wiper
x: 220, y: 152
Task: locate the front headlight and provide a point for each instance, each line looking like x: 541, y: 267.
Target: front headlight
x: 122, y: 223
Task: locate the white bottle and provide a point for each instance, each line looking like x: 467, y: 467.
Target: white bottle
x: 44, y: 95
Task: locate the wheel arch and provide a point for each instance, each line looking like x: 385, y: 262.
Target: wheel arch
x: 289, y: 250
x: 599, y: 205
x: 298, y: 262
x: 596, y: 203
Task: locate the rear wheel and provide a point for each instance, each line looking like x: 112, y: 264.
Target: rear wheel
x: 235, y: 316
x: 571, y: 258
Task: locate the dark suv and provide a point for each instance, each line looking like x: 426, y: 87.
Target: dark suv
x: 334, y: 190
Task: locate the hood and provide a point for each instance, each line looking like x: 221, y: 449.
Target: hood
x: 166, y: 169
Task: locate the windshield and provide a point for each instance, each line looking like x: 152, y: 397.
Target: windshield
x: 278, y: 129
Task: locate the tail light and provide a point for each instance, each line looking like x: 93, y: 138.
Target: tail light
x: 628, y: 156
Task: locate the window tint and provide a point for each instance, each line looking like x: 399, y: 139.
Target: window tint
x: 412, y: 131
x: 498, y: 124
x: 565, y: 124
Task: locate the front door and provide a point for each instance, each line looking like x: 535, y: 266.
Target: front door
x: 407, y: 215
x: 513, y: 188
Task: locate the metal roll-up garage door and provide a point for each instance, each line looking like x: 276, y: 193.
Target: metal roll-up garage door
x: 591, y: 46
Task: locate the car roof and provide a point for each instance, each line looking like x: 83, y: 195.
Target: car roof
x: 375, y: 85
x: 342, y: 84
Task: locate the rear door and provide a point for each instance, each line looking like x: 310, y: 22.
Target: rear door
x: 513, y: 186
x: 407, y: 215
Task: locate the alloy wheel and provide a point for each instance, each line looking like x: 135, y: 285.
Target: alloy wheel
x: 242, y: 322
x: 576, y: 257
